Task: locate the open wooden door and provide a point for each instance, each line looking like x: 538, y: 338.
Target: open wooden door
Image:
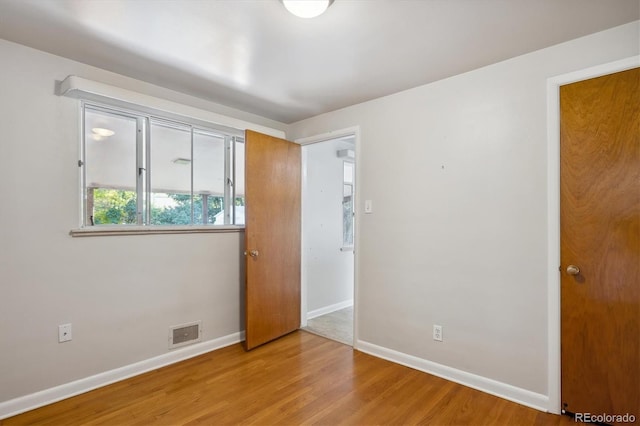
x: 272, y: 238
x: 600, y: 245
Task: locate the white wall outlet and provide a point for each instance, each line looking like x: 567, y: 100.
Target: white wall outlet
x: 437, y: 333
x: 64, y: 333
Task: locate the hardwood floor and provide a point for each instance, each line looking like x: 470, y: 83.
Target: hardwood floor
x: 299, y: 379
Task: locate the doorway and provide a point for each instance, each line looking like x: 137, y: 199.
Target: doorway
x: 328, y: 237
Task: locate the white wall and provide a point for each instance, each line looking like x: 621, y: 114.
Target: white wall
x: 466, y: 158
x: 120, y: 293
x: 328, y: 270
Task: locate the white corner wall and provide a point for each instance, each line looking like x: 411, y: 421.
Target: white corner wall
x: 120, y: 293
x: 465, y: 162
x: 327, y: 269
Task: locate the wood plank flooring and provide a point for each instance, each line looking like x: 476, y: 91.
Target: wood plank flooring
x: 299, y: 379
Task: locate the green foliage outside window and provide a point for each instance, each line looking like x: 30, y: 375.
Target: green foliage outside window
x: 113, y: 206
x: 118, y: 207
x: 180, y: 213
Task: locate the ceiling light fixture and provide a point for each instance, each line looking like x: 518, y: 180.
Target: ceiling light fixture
x: 307, y: 8
x: 103, y: 132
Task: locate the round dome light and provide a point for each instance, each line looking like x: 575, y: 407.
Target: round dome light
x: 307, y: 8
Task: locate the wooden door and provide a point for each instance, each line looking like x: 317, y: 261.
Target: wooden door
x: 600, y: 236
x: 272, y: 238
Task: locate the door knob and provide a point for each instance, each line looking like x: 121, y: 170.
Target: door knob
x: 573, y: 270
x: 252, y: 253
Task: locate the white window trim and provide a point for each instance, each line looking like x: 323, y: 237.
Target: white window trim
x: 88, y: 90
x: 141, y: 116
x: 115, y: 230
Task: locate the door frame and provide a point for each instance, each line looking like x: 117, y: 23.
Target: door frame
x: 324, y: 137
x: 553, y: 215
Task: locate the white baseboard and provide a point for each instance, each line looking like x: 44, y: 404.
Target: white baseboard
x: 38, y: 399
x: 67, y: 390
x: 328, y: 309
x: 490, y: 386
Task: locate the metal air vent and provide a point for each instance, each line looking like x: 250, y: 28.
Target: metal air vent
x: 185, y: 334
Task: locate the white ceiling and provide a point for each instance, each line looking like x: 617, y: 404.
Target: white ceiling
x: 254, y: 56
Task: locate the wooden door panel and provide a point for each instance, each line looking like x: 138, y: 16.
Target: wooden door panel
x: 600, y: 233
x: 272, y: 233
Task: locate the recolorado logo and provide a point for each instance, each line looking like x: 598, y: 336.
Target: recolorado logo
x: 604, y: 418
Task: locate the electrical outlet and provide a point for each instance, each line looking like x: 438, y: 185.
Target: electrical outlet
x: 437, y: 333
x: 64, y: 333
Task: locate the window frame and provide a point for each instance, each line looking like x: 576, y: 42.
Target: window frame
x: 144, y: 120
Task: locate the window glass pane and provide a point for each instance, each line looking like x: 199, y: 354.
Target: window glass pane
x: 110, y: 168
x: 348, y: 172
x: 170, y: 174
x: 347, y: 215
x: 215, y: 210
x: 347, y: 205
x: 208, y: 177
x: 239, y: 182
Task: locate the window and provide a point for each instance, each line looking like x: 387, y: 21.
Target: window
x: 147, y: 170
x: 347, y: 205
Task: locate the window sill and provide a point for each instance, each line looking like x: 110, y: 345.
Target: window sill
x: 346, y: 248
x: 106, y: 230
